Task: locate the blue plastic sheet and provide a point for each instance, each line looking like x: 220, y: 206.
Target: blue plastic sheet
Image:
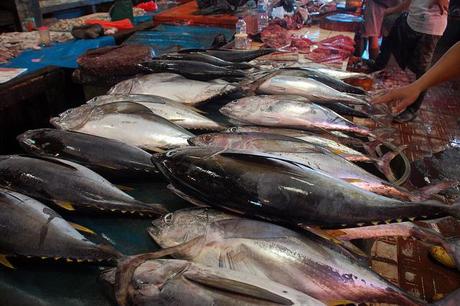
x: 60, y: 54
x: 166, y: 37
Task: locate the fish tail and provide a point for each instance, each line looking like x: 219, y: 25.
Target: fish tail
x: 371, y: 147
x: 383, y: 163
x: 450, y: 300
x: 426, y: 192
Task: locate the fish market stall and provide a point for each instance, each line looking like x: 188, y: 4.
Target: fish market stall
x: 178, y: 169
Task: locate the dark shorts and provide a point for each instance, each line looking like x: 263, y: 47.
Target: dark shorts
x: 450, y: 37
x: 411, y: 49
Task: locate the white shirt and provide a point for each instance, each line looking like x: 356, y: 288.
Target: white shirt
x: 426, y: 20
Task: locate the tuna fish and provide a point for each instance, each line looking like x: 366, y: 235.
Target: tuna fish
x: 67, y: 185
x: 236, y: 56
x: 174, y: 87
x: 309, y: 88
x: 314, y: 156
x: 336, y: 73
x: 193, y: 69
x: 332, y: 82
x: 205, y: 58
x: 183, y: 115
x: 324, y: 139
x: 282, y: 190
x: 110, y: 158
x: 304, y: 261
x: 290, y: 112
x: 180, y: 282
x: 30, y: 228
x: 131, y: 123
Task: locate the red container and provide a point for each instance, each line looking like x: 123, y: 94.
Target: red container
x: 183, y: 14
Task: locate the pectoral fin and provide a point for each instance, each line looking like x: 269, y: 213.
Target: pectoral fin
x: 4, y: 261
x: 234, y: 284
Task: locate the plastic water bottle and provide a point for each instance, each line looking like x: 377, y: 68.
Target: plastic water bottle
x: 240, y: 26
x: 262, y: 17
x: 269, y: 6
x: 241, y: 37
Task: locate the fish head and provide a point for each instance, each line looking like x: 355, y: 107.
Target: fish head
x: 210, y: 139
x: 181, y: 226
x: 73, y: 118
x: 174, y: 162
x: 40, y: 141
x: 239, y: 108
x: 184, y: 225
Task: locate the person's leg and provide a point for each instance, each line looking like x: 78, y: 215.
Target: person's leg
x: 450, y: 37
x: 373, y: 47
x: 389, y: 44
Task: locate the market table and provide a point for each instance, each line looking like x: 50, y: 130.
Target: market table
x: 63, y: 55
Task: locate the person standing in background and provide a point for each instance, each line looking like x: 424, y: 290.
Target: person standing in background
x: 452, y: 33
x: 374, y: 14
x: 412, y: 41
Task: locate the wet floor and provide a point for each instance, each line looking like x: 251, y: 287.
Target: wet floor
x: 433, y: 141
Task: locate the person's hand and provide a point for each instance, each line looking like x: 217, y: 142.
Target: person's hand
x: 398, y: 99
x: 442, y: 4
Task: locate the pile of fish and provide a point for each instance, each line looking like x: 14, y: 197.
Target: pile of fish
x: 283, y: 188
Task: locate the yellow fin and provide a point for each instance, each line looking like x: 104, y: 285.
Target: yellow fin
x: 82, y: 228
x: 4, y: 261
x: 441, y: 255
x: 352, y: 180
x: 65, y: 204
x: 337, y: 151
x: 176, y: 120
x: 124, y: 188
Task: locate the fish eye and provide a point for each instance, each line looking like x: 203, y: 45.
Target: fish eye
x: 233, y: 129
x: 170, y: 153
x: 168, y: 218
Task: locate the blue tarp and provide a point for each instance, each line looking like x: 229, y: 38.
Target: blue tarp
x: 60, y: 54
x: 165, y: 37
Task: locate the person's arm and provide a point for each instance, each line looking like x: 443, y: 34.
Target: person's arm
x: 447, y: 68
x: 403, y: 6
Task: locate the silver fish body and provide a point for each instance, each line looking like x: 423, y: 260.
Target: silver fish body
x: 174, y: 87
x: 128, y: 122
x: 180, y: 282
x: 178, y: 113
x: 325, y: 140
x: 301, y: 261
x: 309, y: 88
x: 288, y: 112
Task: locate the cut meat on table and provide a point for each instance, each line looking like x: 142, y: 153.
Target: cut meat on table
x: 275, y: 36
